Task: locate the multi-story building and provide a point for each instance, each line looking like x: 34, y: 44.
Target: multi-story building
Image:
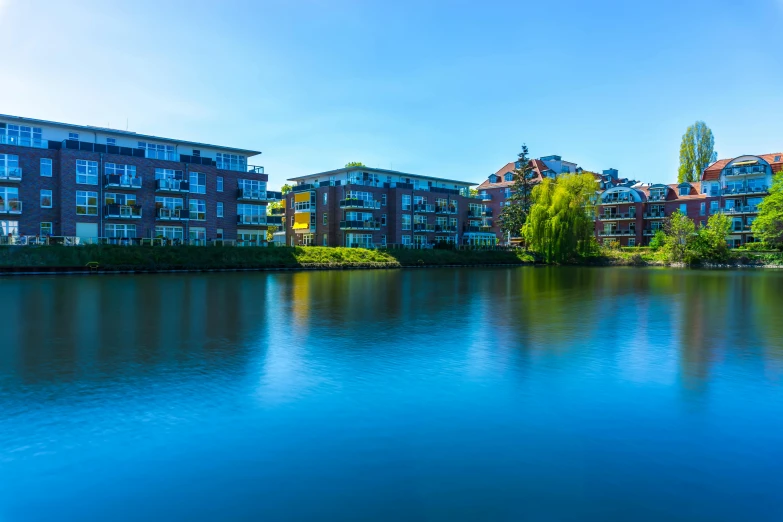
x: 740, y: 184
x: 85, y: 184
x: 369, y: 207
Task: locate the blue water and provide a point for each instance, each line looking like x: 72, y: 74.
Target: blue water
x: 536, y: 394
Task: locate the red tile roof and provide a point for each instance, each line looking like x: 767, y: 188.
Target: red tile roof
x: 538, y: 168
x: 712, y: 172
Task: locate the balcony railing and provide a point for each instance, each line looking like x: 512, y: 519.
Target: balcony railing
x: 274, y: 220
x: 445, y: 209
x: 277, y: 211
x: 476, y: 228
x: 654, y: 215
x: 257, y: 195
x: 650, y: 231
x: 24, y: 142
x: 485, y: 197
x: 616, y: 217
x: 423, y: 207
x: 302, y: 187
x: 172, y: 185
x: 160, y: 154
x: 115, y: 210
x: 120, y: 181
x: 423, y: 227
x: 612, y: 233
x: 13, y: 206
x: 360, y: 225
x: 11, y: 174
x: 745, y: 190
x: 656, y: 197
x: 255, y: 169
x: 484, y: 212
x: 445, y: 228
x: 173, y: 214
x: 747, y: 209
x: 359, y: 203
x: 744, y: 171
x: 251, y: 219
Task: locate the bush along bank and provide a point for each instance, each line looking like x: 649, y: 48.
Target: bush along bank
x: 110, y: 258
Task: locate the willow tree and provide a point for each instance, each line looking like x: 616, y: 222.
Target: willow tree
x: 559, y: 226
x: 768, y: 226
x: 696, y: 152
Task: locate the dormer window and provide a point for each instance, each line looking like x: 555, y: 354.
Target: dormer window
x: 493, y: 179
x: 509, y: 176
x: 685, y: 190
x: 777, y: 158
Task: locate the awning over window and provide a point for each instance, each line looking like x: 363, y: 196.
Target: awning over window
x: 743, y: 163
x: 301, y: 221
x: 302, y: 197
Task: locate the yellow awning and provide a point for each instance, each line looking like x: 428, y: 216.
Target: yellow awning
x: 301, y: 221
x: 301, y: 197
x: 741, y: 163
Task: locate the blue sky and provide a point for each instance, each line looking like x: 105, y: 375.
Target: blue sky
x: 441, y: 88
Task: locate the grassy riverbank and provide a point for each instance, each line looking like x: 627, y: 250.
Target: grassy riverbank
x: 144, y: 258
x: 641, y: 256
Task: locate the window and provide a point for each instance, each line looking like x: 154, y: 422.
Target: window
x: 308, y: 239
x: 383, y: 200
x: 508, y: 176
x: 406, y: 221
x: 155, y: 151
x: 46, y: 228
x: 703, y: 209
x: 46, y: 198
x: 383, y: 220
x: 251, y: 214
x: 22, y: 135
x: 219, y: 233
x: 777, y: 158
x: 231, y: 162
x: 632, y: 242
x: 198, y: 209
x: 111, y: 141
x: 119, y: 231
x: 114, y: 198
x: 169, y: 232
x: 9, y: 228
x: 219, y: 211
x: 406, y: 240
x: 683, y: 208
x: 86, y: 203
x: 197, y: 236
x: 196, y: 153
x: 406, y: 202
x: 326, y: 240
x: 73, y: 136
x: 198, y: 183
x: 9, y: 166
x: 325, y: 194
x: 685, y: 190
x: 46, y: 167
x: 9, y: 199
x: 252, y: 189
x: 713, y: 207
x: 86, y: 172
x: 326, y: 217
x: 383, y: 239
x: 172, y: 206
x: 220, y: 183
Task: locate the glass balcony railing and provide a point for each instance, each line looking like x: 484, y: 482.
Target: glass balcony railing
x: 174, y: 214
x: 360, y: 225
x: 13, y: 206
x: 360, y: 203
x: 10, y: 174
x: 115, y: 210
x: 423, y: 227
x: 423, y: 207
x: 251, y: 219
x: 120, y: 181
x: 36, y: 143
x: 172, y: 185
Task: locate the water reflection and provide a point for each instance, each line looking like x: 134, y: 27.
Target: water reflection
x: 399, y: 383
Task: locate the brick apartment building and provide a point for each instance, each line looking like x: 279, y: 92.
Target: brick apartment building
x: 366, y: 207
x: 91, y: 183
x: 632, y: 215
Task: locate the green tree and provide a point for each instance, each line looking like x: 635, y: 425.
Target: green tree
x: 696, y: 151
x: 514, y: 213
x: 710, y: 243
x: 354, y: 164
x: 473, y: 192
x: 680, y: 233
x: 658, y: 240
x: 559, y: 226
x: 768, y: 226
x: 285, y: 189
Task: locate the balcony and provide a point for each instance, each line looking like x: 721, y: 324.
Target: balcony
x: 445, y: 209
x: 616, y: 233
x: 277, y: 211
x: 24, y: 142
x: 11, y: 174
x: 359, y: 203
x: 115, y: 210
x: 655, y: 215
x: 172, y: 214
x: 744, y: 171
x: 244, y: 194
x: 251, y: 219
x: 748, y: 209
x: 274, y: 220
x: 616, y: 201
x: 616, y: 217
x: 172, y: 185
x: 656, y: 197
x: 302, y: 187
x: 123, y: 182
x: 446, y: 228
x: 485, y: 197
x: 480, y: 213
x: 745, y: 190
x: 423, y: 207
x: 13, y: 206
x: 423, y: 228
x: 476, y: 228
x: 360, y: 225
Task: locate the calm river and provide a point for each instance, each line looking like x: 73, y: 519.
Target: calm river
x: 527, y: 394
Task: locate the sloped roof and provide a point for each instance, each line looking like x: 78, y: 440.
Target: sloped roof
x: 538, y: 167
x: 712, y: 172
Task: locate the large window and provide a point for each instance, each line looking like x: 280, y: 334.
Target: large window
x: 198, y: 209
x: 155, y: 151
x: 198, y: 183
x: 358, y: 240
x: 231, y: 162
x: 86, y: 172
x: 252, y: 188
x: 86, y: 203
x: 46, y: 198
x: 169, y: 174
x: 46, y: 167
x: 9, y: 166
x: 9, y: 199
x: 250, y: 237
x: 251, y: 210
x: 113, y: 198
x: 9, y: 228
x: 169, y: 232
x: 22, y: 135
x: 119, y: 231
x: 197, y: 236
x: 169, y: 203
x: 126, y: 171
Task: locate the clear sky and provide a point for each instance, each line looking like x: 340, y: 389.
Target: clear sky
x: 449, y: 88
